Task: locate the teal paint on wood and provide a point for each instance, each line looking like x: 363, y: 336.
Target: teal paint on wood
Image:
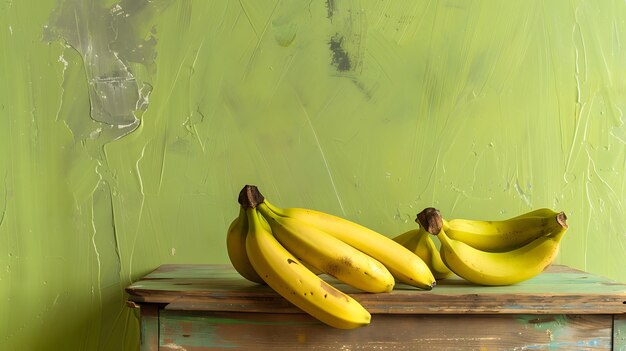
x: 619, y: 332
x: 219, y: 288
x: 149, y: 338
x: 205, y: 330
x: 557, y: 280
x: 218, y: 309
x: 184, y: 326
x: 557, y: 327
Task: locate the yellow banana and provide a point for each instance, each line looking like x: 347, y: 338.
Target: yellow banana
x: 236, y: 247
x: 236, y: 243
x: 504, y: 235
x: 404, y: 237
x: 329, y: 254
x: 283, y: 273
x: 404, y: 265
x: 420, y: 243
x: 310, y: 267
x: 540, y: 212
x: 500, y: 268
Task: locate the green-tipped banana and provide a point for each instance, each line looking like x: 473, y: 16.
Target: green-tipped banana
x: 404, y: 265
x: 236, y: 247
x: 329, y: 254
x: 497, y: 268
x: 292, y: 280
x: 505, y: 235
x: 420, y: 243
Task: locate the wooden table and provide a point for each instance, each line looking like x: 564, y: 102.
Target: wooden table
x: 209, y: 307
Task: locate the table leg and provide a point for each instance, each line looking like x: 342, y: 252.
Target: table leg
x: 149, y: 327
x: 619, y: 332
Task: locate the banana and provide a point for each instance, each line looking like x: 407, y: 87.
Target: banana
x: 329, y: 254
x: 236, y: 247
x: 405, y: 237
x: 497, y: 268
x: 540, y: 212
x: 420, y: 243
x: 310, y: 267
x: 500, y: 268
x: 283, y: 273
x: 505, y: 235
x: 404, y: 265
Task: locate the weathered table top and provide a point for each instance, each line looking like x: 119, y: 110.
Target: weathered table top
x: 558, y: 290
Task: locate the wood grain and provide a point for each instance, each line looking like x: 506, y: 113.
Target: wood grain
x: 149, y: 327
x: 559, y: 290
x: 619, y: 332
x: 195, y: 331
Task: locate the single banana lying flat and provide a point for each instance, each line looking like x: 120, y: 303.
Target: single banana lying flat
x: 236, y: 247
x: 420, y: 243
x: 504, y: 235
x: 403, y: 264
x: 292, y: 280
x: 329, y: 254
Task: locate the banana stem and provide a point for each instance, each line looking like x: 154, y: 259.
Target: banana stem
x: 250, y: 197
x: 430, y: 219
x: 561, y: 218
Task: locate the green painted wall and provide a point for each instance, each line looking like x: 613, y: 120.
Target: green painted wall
x: 128, y: 128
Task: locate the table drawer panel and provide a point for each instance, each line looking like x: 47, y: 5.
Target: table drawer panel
x: 200, y: 331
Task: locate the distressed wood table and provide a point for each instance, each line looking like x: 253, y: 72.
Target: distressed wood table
x: 209, y: 307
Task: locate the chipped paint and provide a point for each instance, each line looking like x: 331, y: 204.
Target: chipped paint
x: 557, y: 328
x: 172, y: 346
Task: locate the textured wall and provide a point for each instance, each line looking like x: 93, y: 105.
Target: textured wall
x: 128, y: 128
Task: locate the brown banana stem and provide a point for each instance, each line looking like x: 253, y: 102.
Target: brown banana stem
x: 430, y: 219
x: 250, y: 197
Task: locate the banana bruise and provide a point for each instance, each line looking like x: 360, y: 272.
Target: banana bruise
x: 420, y: 243
x: 404, y: 265
x: 236, y: 248
x: 505, y: 235
x: 329, y: 254
x: 292, y: 280
x: 495, y: 268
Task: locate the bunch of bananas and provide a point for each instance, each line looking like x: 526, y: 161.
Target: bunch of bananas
x: 288, y: 248
x: 495, y: 252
